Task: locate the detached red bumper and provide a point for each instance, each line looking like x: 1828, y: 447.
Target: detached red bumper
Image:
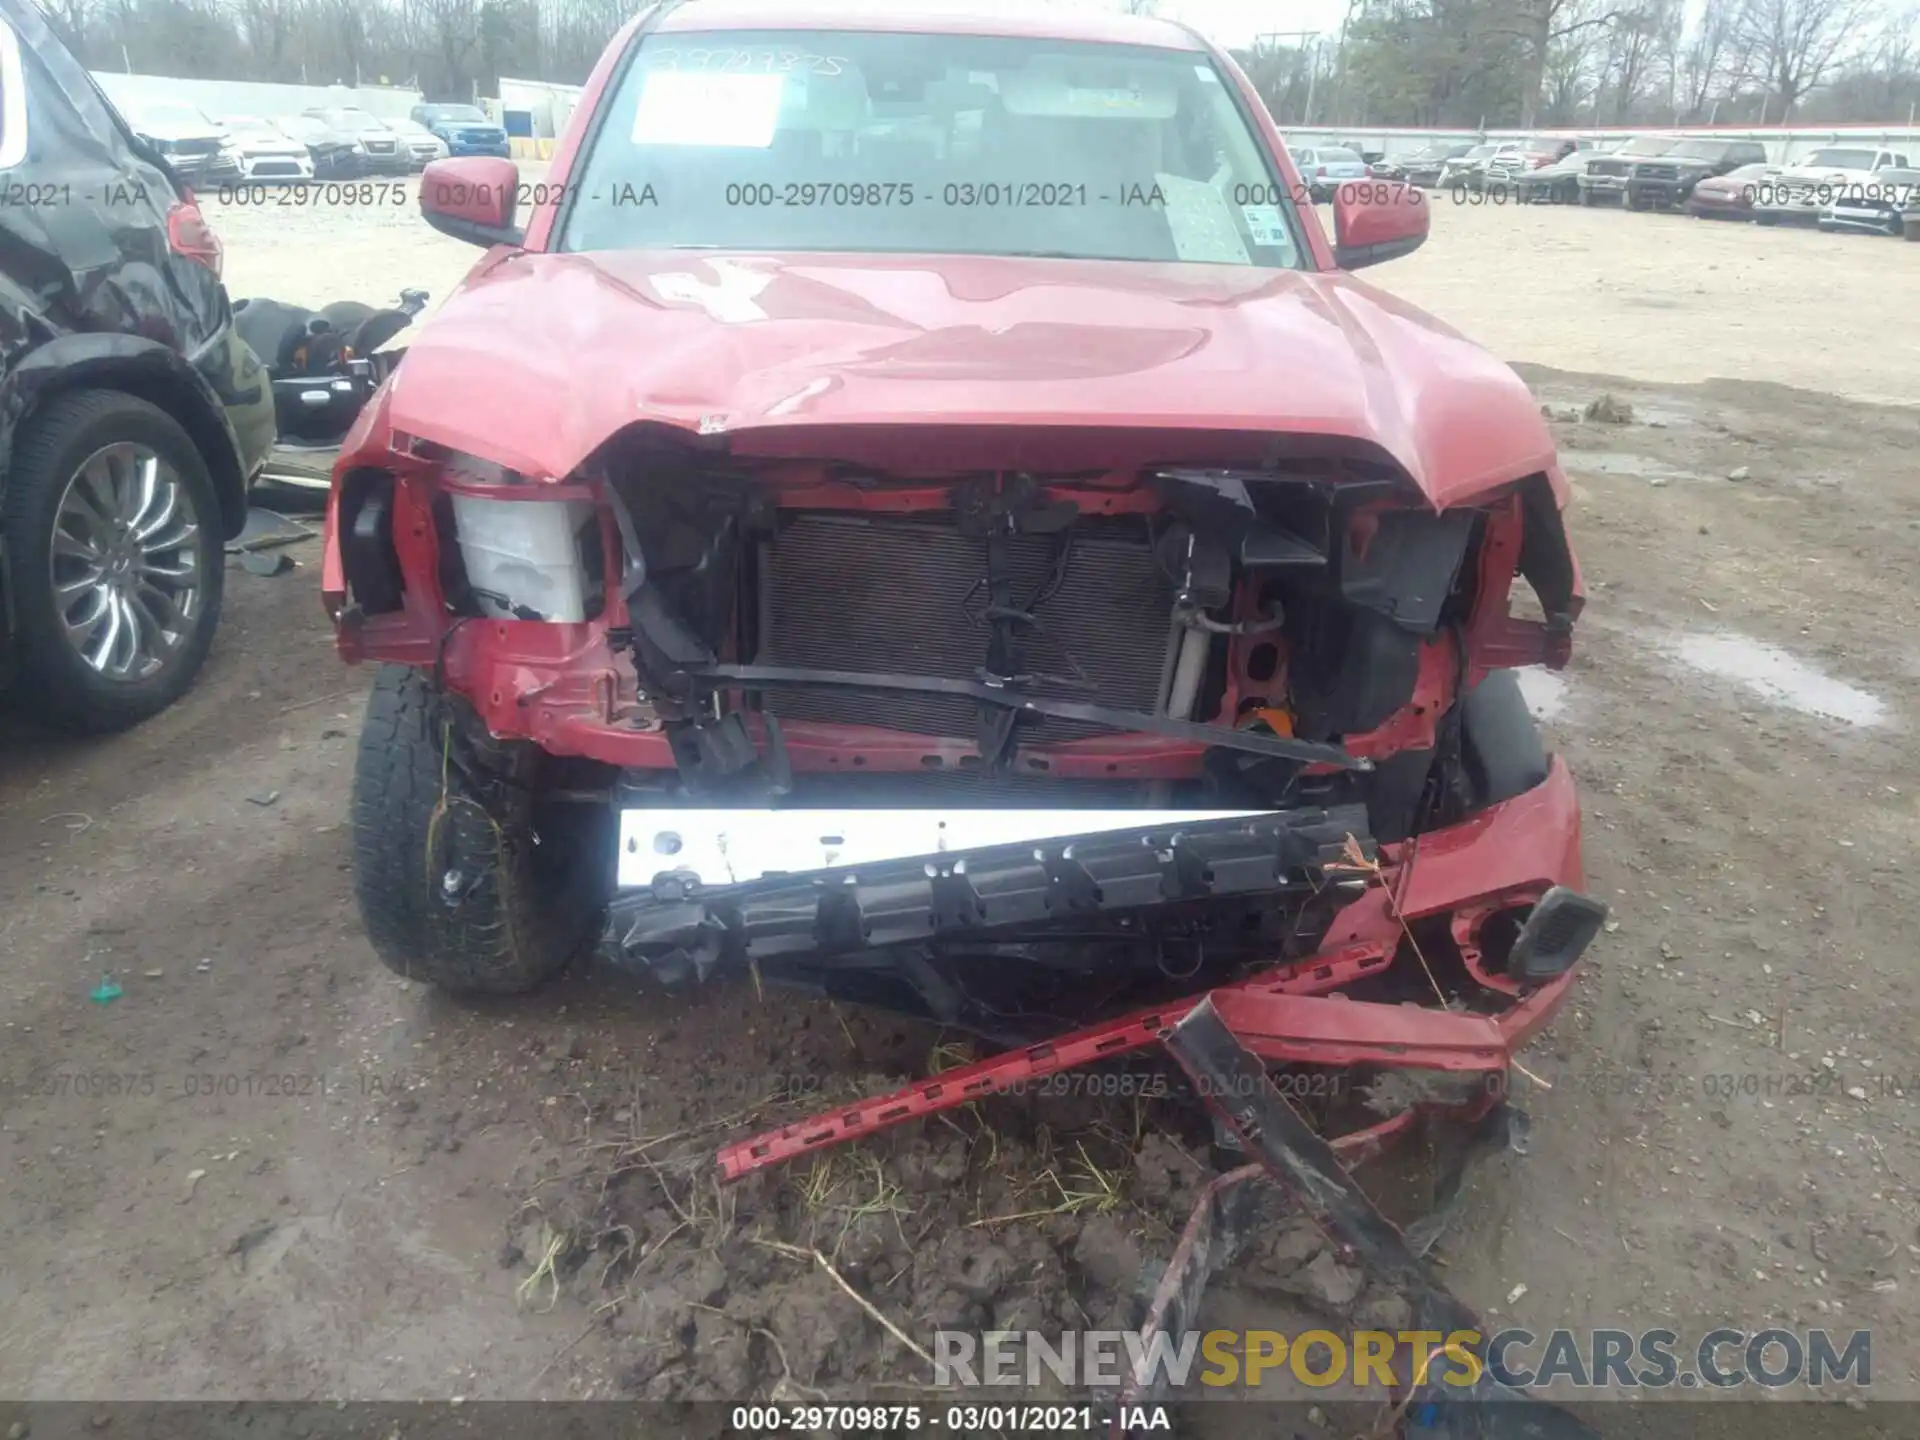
x: 1503, y: 860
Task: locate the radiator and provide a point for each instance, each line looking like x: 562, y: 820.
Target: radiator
x: 891, y: 594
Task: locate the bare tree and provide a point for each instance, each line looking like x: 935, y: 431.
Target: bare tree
x: 269, y: 27
x: 1705, y: 56
x: 1635, y: 44
x: 71, y: 20
x: 1795, y: 43
x: 1542, y: 24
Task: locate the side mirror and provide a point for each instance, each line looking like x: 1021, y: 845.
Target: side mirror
x: 1377, y: 220
x: 473, y: 199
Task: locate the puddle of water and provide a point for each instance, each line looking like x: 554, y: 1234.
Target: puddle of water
x: 1621, y: 462
x: 1544, y: 690
x: 1779, y: 678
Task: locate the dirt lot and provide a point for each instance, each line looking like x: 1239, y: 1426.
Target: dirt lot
x: 272, y: 1169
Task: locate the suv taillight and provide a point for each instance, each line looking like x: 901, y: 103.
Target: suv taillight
x: 189, y: 234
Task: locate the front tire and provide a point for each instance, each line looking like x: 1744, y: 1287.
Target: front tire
x: 464, y: 878
x: 114, y: 558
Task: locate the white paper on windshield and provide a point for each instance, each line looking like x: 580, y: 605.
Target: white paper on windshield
x: 1264, y: 224
x: 1201, y: 224
x: 691, y: 108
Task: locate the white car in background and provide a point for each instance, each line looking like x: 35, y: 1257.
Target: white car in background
x: 1880, y: 205
x: 1833, y: 174
x: 195, y: 145
x: 422, y: 144
x: 1326, y: 168
x: 266, y: 151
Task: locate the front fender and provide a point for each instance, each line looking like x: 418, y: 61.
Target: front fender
x: 163, y: 376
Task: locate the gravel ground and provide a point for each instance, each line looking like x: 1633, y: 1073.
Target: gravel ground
x: 286, y: 1173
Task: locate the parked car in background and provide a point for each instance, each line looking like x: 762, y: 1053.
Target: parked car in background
x: 1464, y: 171
x: 385, y: 154
x: 1729, y: 196
x: 465, y: 129
x: 335, y: 154
x: 1880, y: 205
x: 1421, y: 167
x: 1558, y: 183
x: 1606, y: 179
x: 1326, y: 168
x: 1516, y: 158
x: 1665, y: 181
x: 132, y: 418
x: 195, y: 145
x: 1834, y: 172
x: 266, y: 151
x: 423, y: 146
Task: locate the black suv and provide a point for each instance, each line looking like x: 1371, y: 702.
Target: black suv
x: 132, y: 418
x: 1668, y: 179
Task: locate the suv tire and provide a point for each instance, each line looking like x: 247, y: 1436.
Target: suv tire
x: 58, y: 685
x: 456, y: 884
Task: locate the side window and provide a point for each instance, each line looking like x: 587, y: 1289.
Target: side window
x: 13, y: 100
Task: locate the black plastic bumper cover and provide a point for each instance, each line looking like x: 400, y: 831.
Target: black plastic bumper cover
x: 678, y: 924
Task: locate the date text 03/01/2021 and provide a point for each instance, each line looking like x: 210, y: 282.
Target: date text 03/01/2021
x: 953, y: 1419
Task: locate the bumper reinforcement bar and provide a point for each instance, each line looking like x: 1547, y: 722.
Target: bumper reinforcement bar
x: 681, y: 924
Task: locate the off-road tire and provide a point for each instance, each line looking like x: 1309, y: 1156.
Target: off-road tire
x: 434, y: 795
x: 54, y: 686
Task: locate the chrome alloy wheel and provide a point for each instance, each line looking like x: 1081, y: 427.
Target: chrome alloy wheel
x: 126, y: 562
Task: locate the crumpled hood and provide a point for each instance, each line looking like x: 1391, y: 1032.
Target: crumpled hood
x: 539, y: 358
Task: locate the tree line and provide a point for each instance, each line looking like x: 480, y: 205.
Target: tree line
x: 1454, y: 63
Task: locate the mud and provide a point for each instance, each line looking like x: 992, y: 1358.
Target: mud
x: 271, y: 1169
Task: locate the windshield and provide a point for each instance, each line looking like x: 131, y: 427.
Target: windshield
x: 466, y: 114
x: 915, y: 143
x: 1748, y: 173
x: 1840, y: 159
x: 1646, y: 145
x: 1698, y: 150
x: 1335, y: 155
x: 356, y: 120
x: 1480, y: 152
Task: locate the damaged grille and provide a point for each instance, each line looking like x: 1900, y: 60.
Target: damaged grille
x: 890, y: 595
